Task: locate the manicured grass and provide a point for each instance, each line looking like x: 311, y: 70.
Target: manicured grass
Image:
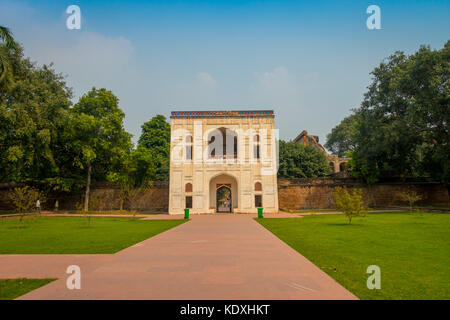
x: 444, y: 208
x: 6, y: 212
x: 412, y: 251
x: 111, y: 212
x: 310, y: 211
x: 13, y: 288
x: 76, y: 234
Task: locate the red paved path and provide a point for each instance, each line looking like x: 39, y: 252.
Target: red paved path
x: 210, y: 257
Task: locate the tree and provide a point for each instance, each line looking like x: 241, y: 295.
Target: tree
x: 7, y: 44
x: 155, y: 138
x: 299, y: 161
x: 99, y: 141
x: 410, y: 197
x: 34, y: 112
x: 352, y: 205
x: 341, y: 140
x: 403, y: 120
x: 137, y: 170
x: 24, y: 198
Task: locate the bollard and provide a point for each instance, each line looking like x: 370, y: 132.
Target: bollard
x: 260, y: 212
x: 186, y: 213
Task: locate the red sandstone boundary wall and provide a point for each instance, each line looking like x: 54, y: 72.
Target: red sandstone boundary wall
x: 293, y: 194
x: 297, y: 194
x: 104, y: 196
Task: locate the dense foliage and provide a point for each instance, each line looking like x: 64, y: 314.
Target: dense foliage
x: 155, y: 138
x: 34, y: 113
x: 341, y: 140
x: 8, y: 47
x: 299, y: 161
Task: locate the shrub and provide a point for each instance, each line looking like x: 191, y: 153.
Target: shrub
x: 351, y: 204
x: 24, y: 198
x: 410, y: 197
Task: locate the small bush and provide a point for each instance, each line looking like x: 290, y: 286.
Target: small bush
x: 351, y: 204
x: 24, y: 198
x: 410, y: 197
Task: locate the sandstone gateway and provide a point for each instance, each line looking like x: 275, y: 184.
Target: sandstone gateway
x: 223, y: 162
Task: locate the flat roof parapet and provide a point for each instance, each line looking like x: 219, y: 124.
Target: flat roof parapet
x: 207, y: 114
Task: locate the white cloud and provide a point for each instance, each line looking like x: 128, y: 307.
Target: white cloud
x: 198, y: 91
x: 276, y: 88
x: 205, y: 79
x: 90, y: 59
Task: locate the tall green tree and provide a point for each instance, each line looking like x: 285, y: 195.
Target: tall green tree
x: 34, y: 113
x: 99, y: 141
x: 341, y: 140
x: 299, y: 161
x: 155, y: 138
x: 403, y: 127
x: 7, y: 47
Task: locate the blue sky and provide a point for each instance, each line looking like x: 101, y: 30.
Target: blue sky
x: 309, y: 61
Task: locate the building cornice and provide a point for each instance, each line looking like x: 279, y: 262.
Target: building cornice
x: 221, y: 114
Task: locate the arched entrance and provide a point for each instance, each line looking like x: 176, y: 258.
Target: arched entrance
x: 223, y: 193
x: 224, y: 202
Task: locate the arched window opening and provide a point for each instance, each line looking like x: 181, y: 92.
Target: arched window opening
x: 222, y: 144
x: 189, y: 147
x: 258, y: 186
x: 256, y: 147
x: 188, y: 187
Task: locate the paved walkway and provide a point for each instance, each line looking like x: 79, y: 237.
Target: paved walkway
x: 209, y: 257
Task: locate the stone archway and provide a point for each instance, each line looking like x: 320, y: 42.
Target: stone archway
x: 221, y: 187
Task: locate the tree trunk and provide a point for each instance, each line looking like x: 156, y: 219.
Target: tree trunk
x: 88, y: 188
x: 121, y: 204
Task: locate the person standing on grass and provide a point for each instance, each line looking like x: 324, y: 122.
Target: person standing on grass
x: 38, y: 206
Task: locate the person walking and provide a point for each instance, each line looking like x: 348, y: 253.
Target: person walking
x: 38, y: 206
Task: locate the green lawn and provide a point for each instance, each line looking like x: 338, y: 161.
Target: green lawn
x: 412, y: 251
x: 76, y: 234
x: 7, y: 212
x: 13, y: 288
x: 113, y: 212
x: 310, y: 211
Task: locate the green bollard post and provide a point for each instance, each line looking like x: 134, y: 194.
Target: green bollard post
x: 186, y: 213
x: 260, y: 212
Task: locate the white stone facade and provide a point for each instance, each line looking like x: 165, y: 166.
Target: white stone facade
x: 223, y: 161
